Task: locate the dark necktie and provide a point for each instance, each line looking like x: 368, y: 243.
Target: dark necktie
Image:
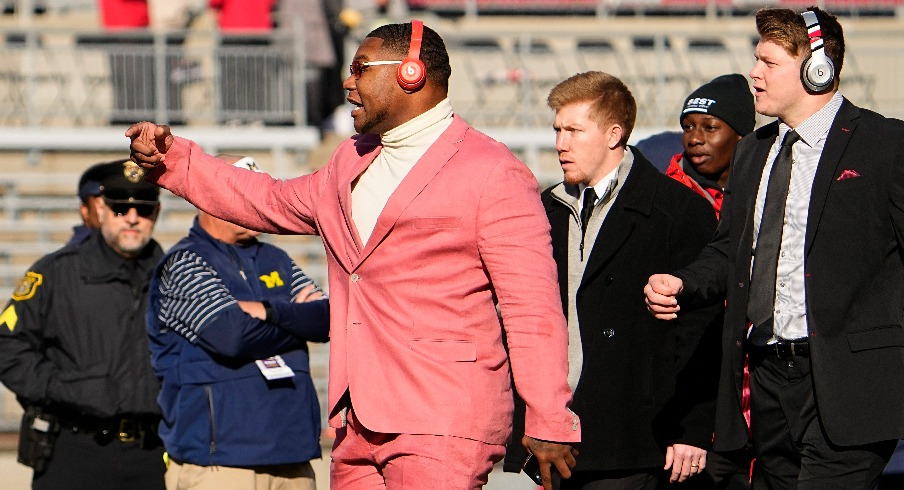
x: 587, y: 208
x: 761, y: 303
x: 586, y: 212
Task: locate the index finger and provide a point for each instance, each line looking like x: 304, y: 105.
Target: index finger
x: 142, y: 147
x: 139, y: 129
x: 546, y: 475
x: 660, y: 288
x: 564, y: 464
x: 658, y: 298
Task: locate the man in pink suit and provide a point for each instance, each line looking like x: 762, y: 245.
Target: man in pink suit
x: 428, y: 225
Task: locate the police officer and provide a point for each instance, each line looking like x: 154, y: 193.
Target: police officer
x: 88, y: 192
x: 74, y: 349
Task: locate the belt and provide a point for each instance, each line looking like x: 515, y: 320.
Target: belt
x: 124, y: 428
x: 783, y: 349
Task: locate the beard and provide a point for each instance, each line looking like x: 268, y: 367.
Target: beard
x: 372, y: 121
x: 576, y: 178
x: 126, y: 245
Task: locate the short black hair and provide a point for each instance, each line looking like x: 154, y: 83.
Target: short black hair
x: 397, y: 39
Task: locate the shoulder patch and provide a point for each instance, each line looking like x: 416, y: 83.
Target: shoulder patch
x: 27, y: 286
x: 9, y: 318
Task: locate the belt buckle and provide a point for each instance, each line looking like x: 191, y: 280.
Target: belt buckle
x: 788, y: 349
x: 128, y: 430
x: 781, y: 350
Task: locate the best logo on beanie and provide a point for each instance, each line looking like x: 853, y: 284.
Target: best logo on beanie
x: 698, y: 104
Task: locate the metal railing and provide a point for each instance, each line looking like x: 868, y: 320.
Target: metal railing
x: 87, y: 78
x: 605, y: 8
x: 501, y: 73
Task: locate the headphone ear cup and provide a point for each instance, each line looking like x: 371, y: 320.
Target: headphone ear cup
x: 411, y: 74
x: 817, y: 73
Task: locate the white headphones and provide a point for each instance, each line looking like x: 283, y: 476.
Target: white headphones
x: 817, y: 72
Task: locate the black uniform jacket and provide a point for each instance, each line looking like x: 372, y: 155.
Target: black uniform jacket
x: 854, y: 266
x: 645, y: 383
x: 74, y: 336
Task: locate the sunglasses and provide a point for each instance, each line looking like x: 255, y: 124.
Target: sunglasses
x: 121, y: 208
x: 357, y: 67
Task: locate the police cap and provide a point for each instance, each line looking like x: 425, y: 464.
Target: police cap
x: 89, y: 182
x: 123, y: 181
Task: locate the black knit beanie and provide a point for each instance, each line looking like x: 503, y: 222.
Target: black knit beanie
x: 727, y: 97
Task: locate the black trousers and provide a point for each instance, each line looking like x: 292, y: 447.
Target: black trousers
x: 728, y: 470
x: 640, y: 479
x: 789, y: 440
x: 81, y: 461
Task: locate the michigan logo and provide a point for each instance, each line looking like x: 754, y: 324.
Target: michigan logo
x: 27, y: 286
x: 272, y: 280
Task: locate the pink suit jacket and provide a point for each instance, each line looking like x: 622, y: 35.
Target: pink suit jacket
x: 415, y: 336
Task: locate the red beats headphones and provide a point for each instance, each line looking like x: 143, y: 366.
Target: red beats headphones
x: 412, y: 73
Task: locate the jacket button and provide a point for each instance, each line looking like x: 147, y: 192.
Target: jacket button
x: 737, y: 343
x: 609, y: 333
x: 355, y: 277
x: 608, y: 279
x: 740, y: 284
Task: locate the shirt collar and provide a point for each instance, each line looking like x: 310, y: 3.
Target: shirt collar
x: 816, y: 127
x: 572, y: 194
x: 398, y: 135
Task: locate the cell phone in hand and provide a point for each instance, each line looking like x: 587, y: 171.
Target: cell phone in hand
x: 531, y: 468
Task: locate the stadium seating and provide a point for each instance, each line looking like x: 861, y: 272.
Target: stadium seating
x: 57, y: 93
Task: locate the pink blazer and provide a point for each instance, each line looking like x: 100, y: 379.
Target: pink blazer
x: 415, y: 335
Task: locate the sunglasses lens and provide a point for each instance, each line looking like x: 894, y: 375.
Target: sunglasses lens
x: 355, y: 68
x: 143, y: 210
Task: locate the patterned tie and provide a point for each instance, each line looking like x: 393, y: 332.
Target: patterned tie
x: 761, y: 303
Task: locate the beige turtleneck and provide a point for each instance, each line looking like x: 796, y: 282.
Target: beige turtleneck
x: 403, y: 146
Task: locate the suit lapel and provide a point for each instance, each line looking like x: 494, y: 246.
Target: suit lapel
x: 836, y: 142
x: 634, y: 201
x: 368, y: 147
x: 559, y: 220
x: 423, y: 172
x: 765, y: 138
x: 612, y: 235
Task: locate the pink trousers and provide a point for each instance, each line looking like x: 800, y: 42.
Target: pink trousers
x: 366, y: 460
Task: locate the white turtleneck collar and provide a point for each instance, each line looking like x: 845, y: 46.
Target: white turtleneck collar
x: 403, y: 146
x: 424, y: 128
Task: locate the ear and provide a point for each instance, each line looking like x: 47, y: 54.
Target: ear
x: 614, y: 136
x: 99, y: 208
x: 83, y: 211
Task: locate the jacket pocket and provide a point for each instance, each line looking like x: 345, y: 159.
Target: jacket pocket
x: 876, y: 338
x: 437, y: 222
x: 445, y: 350
x: 213, y: 422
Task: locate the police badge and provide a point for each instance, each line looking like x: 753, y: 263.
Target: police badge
x: 27, y: 286
x: 132, y: 171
